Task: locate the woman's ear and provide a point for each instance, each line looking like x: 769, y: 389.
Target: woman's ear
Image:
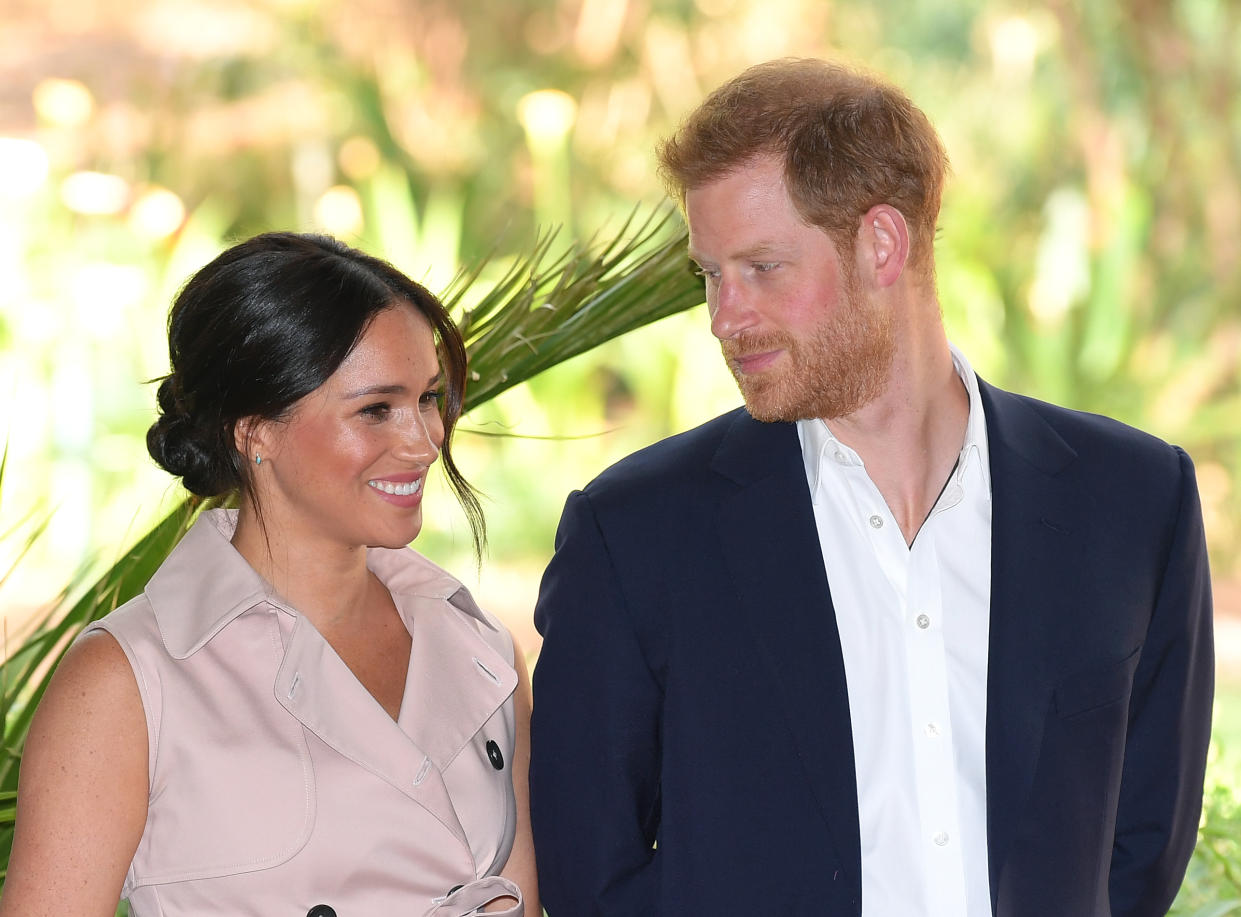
x: 252, y: 437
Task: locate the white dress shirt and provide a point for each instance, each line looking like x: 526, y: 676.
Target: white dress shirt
x: 913, y: 624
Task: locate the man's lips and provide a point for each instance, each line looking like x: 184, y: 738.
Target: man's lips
x: 754, y: 361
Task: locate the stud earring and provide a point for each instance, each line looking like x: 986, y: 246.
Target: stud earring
x: 258, y: 459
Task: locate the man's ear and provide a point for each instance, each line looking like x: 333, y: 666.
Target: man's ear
x: 884, y: 243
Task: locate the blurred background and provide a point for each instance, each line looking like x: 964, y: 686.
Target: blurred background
x: 1089, y: 252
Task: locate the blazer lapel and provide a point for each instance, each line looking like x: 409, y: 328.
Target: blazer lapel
x: 768, y: 537
x: 1033, y: 515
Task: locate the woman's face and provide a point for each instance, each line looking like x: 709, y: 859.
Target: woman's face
x: 346, y: 467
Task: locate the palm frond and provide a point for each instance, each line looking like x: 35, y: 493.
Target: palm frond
x: 550, y: 306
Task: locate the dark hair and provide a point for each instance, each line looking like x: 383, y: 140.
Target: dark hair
x: 848, y: 139
x: 265, y: 324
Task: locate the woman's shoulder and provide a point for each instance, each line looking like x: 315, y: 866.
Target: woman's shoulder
x: 92, y: 702
x: 133, y: 620
x: 84, y: 782
x: 97, y: 663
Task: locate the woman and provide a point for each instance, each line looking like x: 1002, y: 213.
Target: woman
x: 300, y: 715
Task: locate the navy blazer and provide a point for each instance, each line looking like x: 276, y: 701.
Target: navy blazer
x: 692, y: 746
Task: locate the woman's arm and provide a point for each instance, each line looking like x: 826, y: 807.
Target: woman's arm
x: 520, y: 865
x: 82, y: 793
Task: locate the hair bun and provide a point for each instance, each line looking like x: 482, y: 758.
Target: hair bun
x: 188, y: 447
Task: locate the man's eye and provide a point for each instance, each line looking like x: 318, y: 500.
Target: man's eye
x: 764, y: 267
x: 705, y: 273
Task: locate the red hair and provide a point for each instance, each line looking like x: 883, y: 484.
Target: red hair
x: 849, y: 141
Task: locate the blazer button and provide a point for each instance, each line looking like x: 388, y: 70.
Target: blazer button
x: 493, y: 755
x: 321, y: 910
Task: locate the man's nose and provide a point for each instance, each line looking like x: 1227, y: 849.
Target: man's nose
x: 730, y: 308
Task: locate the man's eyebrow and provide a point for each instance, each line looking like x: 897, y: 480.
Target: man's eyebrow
x: 757, y: 250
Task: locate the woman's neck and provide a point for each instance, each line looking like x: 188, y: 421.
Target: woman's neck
x: 329, y: 584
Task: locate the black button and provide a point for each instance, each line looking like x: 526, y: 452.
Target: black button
x: 321, y: 910
x: 493, y: 753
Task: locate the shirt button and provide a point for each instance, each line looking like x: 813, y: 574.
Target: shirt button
x: 839, y: 457
x: 923, y: 622
x: 932, y: 730
x: 876, y: 521
x: 321, y: 910
x: 941, y: 839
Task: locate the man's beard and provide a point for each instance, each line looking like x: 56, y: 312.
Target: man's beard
x: 842, y: 366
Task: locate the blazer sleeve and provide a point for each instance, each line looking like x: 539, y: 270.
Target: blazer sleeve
x: 1169, y: 726
x: 594, y: 772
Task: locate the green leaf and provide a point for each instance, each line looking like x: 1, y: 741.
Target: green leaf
x: 548, y: 307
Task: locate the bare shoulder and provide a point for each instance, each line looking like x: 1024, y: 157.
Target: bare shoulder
x: 83, y: 788
x: 94, y: 689
x: 96, y: 657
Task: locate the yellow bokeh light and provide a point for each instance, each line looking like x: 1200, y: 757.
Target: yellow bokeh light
x: 1014, y: 47
x: 359, y: 158
x: 95, y: 193
x: 339, y: 211
x: 23, y: 167
x: 547, y: 115
x: 63, y: 103
x: 157, y: 213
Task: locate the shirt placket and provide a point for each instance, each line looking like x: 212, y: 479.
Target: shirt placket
x: 931, y: 722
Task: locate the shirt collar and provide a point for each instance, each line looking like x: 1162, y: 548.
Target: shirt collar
x: 974, y: 449
x: 205, y: 583
x: 821, y: 449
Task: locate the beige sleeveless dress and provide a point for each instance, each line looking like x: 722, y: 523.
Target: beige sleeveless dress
x: 278, y: 785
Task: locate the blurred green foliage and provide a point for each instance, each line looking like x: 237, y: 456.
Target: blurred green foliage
x: 1088, y: 251
x: 1212, y: 884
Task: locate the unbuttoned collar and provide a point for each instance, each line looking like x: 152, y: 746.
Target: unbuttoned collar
x: 205, y: 583
x: 821, y: 449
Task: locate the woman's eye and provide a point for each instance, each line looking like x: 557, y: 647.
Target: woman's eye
x: 434, y: 396
x: 378, y: 411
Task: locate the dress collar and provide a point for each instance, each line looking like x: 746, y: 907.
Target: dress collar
x: 205, y: 583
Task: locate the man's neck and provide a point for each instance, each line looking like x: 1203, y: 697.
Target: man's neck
x: 911, y: 435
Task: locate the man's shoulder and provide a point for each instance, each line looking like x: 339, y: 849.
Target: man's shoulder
x: 685, y: 462
x: 1075, y: 421
x: 684, y: 454
x: 1089, y: 436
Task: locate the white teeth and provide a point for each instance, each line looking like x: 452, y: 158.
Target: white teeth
x: 400, y: 490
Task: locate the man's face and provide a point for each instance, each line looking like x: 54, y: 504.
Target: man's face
x: 799, y: 334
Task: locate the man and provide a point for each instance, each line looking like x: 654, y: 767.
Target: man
x: 890, y: 642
